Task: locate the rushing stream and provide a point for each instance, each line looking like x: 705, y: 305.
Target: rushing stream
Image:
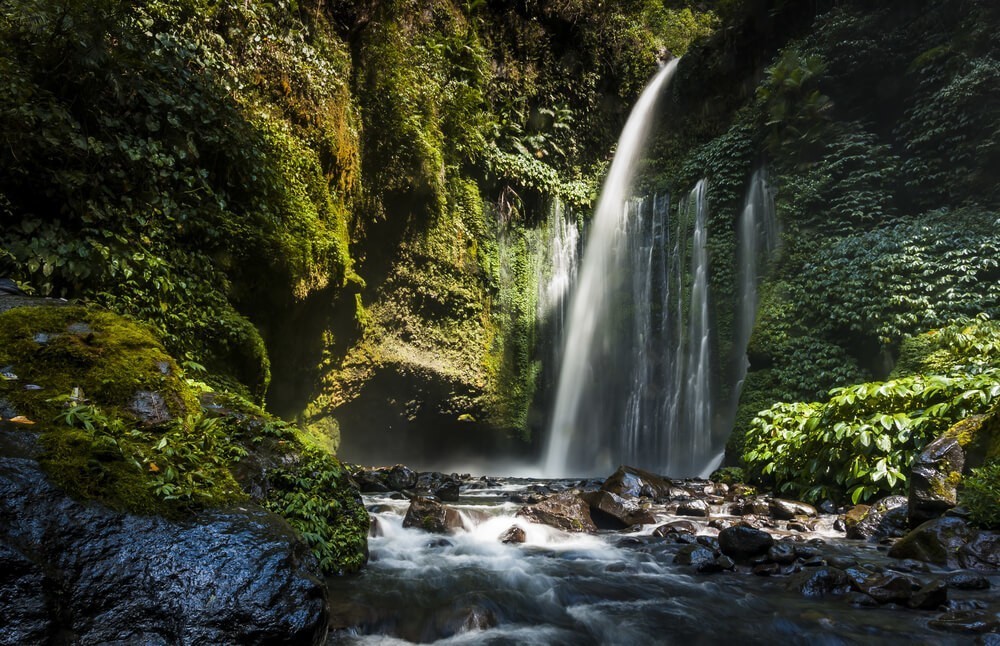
x: 606, y: 588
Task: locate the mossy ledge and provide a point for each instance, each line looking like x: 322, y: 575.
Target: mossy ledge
x: 121, y: 424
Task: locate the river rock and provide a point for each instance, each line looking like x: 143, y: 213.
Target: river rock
x: 632, y: 482
x: 611, y: 511
x: 967, y: 621
x: 513, y: 535
x: 788, y: 509
x: 566, y: 511
x: 936, y: 541
x: 885, y: 518
x: 930, y: 596
x: 431, y: 516
x: 235, y: 575
x: 967, y: 581
x: 934, y: 479
x: 370, y: 480
x: 445, y: 487
x: 676, y: 527
x: 401, y: 477
x: 697, y: 508
x: 695, y: 554
x: 781, y: 553
x: 742, y: 542
x: 982, y: 552
x: 819, y: 582
x: 891, y: 587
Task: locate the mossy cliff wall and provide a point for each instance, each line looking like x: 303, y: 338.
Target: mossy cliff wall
x: 317, y: 189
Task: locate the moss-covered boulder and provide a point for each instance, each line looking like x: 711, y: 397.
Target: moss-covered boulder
x: 119, y: 423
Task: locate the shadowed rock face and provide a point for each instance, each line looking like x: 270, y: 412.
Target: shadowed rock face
x: 67, y: 568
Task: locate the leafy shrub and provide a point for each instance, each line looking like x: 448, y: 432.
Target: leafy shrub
x: 980, y: 494
x: 861, y: 441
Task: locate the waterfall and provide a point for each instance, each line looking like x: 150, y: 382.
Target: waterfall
x: 582, y: 404
x: 757, y: 234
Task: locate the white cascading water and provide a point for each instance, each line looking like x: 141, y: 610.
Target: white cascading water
x: 574, y: 444
x: 556, y: 269
x: 757, y: 235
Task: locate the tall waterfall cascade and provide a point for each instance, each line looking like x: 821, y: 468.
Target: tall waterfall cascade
x: 757, y: 239
x: 639, y: 373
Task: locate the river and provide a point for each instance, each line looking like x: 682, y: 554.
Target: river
x: 606, y: 588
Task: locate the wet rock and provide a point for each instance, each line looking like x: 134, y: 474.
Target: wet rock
x: 513, y: 535
x: 800, y: 526
x: 431, y: 516
x: 930, y: 597
x: 982, y: 552
x: 967, y: 621
x: 696, y: 555
x: 742, y: 542
x: 788, y: 509
x: 782, y: 553
x: 237, y: 575
x: 439, y: 543
x: 370, y: 481
x: 401, y: 477
x: 853, y: 517
x: 375, y: 528
x: 886, y: 518
x: 936, y: 541
x: 934, y: 479
x: 967, y: 581
x: 725, y: 563
x: 720, y: 523
x: 820, y: 582
x: 24, y: 604
x: 630, y: 481
x: 150, y: 408
x: 766, y: 569
x: 840, y: 525
x: 710, y: 542
x: 697, y: 508
x: 445, y: 487
x: 891, y: 587
x: 611, y: 511
x: 566, y: 511
x: 675, y: 527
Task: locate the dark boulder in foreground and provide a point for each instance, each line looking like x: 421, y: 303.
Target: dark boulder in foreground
x: 93, y: 575
x: 742, y: 542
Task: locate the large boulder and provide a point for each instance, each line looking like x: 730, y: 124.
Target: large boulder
x: 742, y: 542
x: 934, y: 479
x: 950, y: 542
x: 788, y: 509
x: 567, y: 511
x: 610, y: 511
x: 431, y: 516
x: 632, y: 482
x: 229, y: 576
